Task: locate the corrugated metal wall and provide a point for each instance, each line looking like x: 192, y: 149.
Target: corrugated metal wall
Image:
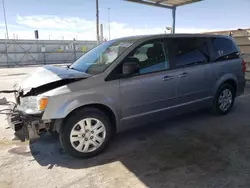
x: 32, y: 52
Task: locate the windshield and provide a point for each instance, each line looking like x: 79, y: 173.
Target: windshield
x: 101, y: 57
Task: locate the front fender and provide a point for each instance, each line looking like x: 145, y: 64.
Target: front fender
x: 57, y: 109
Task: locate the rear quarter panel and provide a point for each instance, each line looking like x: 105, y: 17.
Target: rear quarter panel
x: 228, y: 70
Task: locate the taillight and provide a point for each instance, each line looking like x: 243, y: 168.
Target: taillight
x: 244, y: 66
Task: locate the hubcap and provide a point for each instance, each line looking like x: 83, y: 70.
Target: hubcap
x: 225, y: 100
x: 87, y: 135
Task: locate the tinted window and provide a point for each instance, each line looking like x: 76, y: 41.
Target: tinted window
x: 151, y: 57
x: 189, y: 51
x: 224, y: 49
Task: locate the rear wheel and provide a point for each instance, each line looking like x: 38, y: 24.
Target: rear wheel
x: 86, y: 133
x: 224, y: 100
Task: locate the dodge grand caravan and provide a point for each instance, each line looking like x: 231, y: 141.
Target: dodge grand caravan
x: 126, y: 82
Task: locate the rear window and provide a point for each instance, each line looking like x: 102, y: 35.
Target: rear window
x: 225, y: 49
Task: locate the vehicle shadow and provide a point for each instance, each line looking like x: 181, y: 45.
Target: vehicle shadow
x: 136, y: 141
x: 152, y: 151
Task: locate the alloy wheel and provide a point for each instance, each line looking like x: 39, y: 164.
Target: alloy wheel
x: 87, y: 135
x: 225, y: 100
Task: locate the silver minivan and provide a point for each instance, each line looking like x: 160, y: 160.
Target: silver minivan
x: 126, y: 82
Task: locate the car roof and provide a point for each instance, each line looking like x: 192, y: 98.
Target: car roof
x: 145, y: 37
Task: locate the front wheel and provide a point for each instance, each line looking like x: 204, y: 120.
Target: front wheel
x: 86, y: 133
x: 224, y: 100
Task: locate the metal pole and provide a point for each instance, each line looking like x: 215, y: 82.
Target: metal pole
x: 7, y: 34
x: 109, y: 21
x: 6, y: 50
x: 5, y: 20
x: 44, y: 55
x: 173, y: 14
x: 97, y: 22
x: 74, y: 48
x: 37, y: 50
x: 14, y: 48
x: 101, y: 30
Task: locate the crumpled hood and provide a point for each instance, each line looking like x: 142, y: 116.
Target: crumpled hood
x: 48, y: 74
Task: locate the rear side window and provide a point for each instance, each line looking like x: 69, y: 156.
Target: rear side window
x: 224, y: 49
x: 189, y: 51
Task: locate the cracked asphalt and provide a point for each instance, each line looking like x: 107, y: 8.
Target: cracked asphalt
x: 192, y: 150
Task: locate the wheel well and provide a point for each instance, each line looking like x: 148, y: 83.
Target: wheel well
x: 104, y: 109
x: 232, y: 83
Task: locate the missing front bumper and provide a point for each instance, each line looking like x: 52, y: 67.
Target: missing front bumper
x: 27, y: 127
x: 16, y: 123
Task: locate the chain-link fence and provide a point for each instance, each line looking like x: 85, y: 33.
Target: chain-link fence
x: 14, y: 53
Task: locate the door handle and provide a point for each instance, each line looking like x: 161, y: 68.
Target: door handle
x: 183, y: 75
x: 167, y: 78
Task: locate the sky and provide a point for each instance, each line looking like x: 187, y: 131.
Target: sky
x: 66, y: 19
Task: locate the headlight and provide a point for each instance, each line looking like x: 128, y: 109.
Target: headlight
x: 33, y: 104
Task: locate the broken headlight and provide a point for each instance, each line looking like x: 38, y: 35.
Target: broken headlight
x: 33, y: 104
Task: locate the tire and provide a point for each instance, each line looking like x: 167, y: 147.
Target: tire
x: 80, y: 122
x: 217, y: 109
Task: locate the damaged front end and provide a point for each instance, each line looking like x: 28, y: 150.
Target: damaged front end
x: 25, y: 115
x: 27, y: 127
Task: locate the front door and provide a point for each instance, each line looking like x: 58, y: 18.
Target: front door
x: 148, y: 95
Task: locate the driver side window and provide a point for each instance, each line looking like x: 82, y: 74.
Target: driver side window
x: 151, y: 56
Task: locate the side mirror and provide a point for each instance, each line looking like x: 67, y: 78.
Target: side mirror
x: 130, y: 68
